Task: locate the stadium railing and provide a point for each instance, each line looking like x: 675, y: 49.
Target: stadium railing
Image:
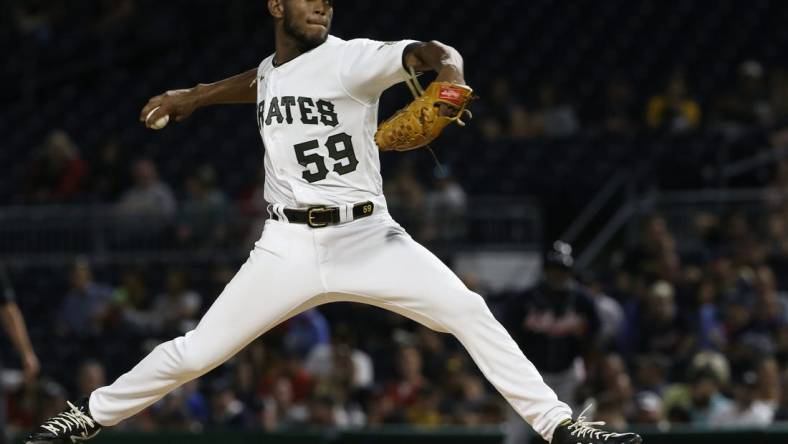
x: 679, y: 207
x: 55, y: 234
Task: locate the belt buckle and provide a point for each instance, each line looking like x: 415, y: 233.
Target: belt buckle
x: 310, y: 215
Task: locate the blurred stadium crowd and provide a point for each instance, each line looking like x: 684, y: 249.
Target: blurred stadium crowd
x: 685, y: 327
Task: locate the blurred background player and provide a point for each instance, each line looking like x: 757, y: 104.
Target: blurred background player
x: 15, y: 328
x: 556, y: 324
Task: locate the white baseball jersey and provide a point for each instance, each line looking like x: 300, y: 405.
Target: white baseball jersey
x: 317, y: 115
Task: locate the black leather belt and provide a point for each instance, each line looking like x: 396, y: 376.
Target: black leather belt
x: 319, y: 217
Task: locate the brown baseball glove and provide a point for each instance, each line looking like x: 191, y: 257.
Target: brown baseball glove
x: 424, y: 118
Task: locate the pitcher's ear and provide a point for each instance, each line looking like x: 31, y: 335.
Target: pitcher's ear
x: 276, y: 8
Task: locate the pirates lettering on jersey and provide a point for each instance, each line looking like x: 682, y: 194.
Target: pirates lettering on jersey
x: 281, y: 110
x: 317, y: 115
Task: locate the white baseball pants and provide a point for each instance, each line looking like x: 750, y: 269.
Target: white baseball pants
x: 292, y: 268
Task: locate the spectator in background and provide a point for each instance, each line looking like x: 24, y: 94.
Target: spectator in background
x: 673, y: 110
x: 185, y: 409
x: 612, y: 413
x: 177, y: 309
x: 58, y: 173
x: 781, y: 351
x: 247, y: 377
x: 340, y: 385
x: 281, y: 411
x: 405, y: 390
x: 651, y: 373
x: 109, y: 171
x: 700, y: 246
x: 708, y: 316
x: 149, y: 196
x: 727, y: 276
x: 619, y: 110
x: 659, y: 328
x: 306, y: 331
x: 346, y: 412
x: 648, y: 410
x: 754, y: 94
x: 782, y: 409
x: 322, y: 412
x: 426, y: 410
x: 503, y: 117
x: 339, y: 360
x: 777, y: 256
x: 132, y: 300
x: 555, y: 117
x: 405, y: 195
x: 768, y: 388
x: 226, y: 409
x: 34, y: 402
x: 778, y: 182
x: 85, y: 306
x: 445, y: 208
x: 610, y: 386
x: 204, y: 210
x: 556, y: 324
x: 747, y: 105
x: 654, y: 256
x: 771, y: 304
x: 700, y: 398
x: 475, y: 407
x: 90, y: 376
x: 611, y: 315
x: 742, y: 338
x: 294, y: 368
x: 436, y: 356
x: 745, y: 410
x: 381, y: 409
x: 778, y: 97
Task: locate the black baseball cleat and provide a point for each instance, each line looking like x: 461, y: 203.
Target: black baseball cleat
x: 585, y: 432
x: 68, y: 427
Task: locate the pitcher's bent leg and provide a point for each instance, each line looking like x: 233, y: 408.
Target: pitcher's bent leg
x: 263, y: 293
x: 503, y: 363
x: 399, y: 274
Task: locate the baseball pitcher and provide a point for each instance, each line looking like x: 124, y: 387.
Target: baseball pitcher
x: 329, y: 237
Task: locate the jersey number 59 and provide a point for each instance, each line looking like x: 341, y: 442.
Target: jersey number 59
x: 345, y: 158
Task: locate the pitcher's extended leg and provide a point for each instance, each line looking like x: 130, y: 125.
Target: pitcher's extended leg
x: 278, y: 280
x: 385, y: 267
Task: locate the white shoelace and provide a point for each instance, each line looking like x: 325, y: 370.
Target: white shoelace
x: 69, y: 420
x: 582, y: 428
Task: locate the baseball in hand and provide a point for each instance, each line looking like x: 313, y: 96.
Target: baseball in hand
x: 159, y: 124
